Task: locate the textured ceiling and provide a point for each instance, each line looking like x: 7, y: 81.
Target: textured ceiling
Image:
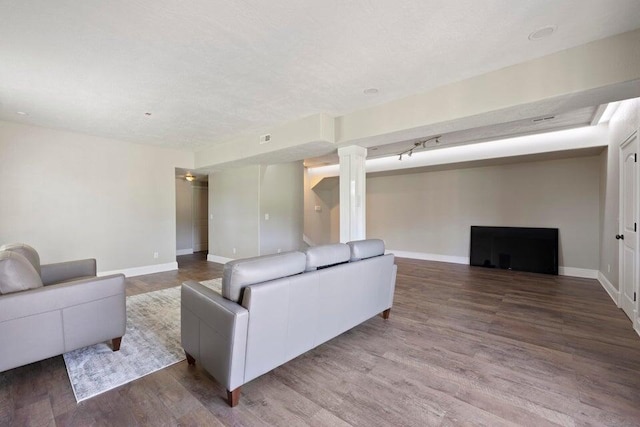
x: 209, y: 70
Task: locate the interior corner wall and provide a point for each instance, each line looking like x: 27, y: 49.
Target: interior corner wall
x: 624, y: 122
x: 321, y: 226
x: 432, y: 212
x: 240, y: 198
x: 184, y: 216
x: 74, y: 196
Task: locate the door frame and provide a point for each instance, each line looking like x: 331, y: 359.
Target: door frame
x: 635, y: 320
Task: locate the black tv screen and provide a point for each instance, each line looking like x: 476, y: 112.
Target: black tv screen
x: 515, y: 248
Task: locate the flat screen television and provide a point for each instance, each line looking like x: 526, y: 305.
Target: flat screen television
x: 515, y: 248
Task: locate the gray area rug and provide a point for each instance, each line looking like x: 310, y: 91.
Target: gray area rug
x: 151, y: 342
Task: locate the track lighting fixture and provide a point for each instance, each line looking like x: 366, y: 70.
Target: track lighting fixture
x: 417, y: 144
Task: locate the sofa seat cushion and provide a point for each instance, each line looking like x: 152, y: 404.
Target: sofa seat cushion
x: 26, y: 251
x: 363, y: 249
x: 326, y: 255
x: 16, y: 273
x: 241, y: 273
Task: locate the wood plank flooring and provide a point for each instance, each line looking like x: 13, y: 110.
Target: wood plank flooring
x: 463, y: 346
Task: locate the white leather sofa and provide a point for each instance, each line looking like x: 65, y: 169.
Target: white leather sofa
x: 276, y: 307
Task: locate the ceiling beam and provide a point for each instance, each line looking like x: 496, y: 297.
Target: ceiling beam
x: 596, y: 73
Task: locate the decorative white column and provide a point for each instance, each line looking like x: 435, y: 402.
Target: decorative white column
x: 352, y: 193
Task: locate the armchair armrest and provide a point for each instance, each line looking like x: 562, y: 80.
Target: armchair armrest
x: 61, y: 296
x: 63, y: 271
x: 214, y: 332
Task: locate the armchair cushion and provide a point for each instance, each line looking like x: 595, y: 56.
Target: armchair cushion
x: 16, y: 273
x: 26, y: 251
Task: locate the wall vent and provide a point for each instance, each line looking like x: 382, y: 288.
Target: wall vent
x: 543, y: 119
x: 265, y: 138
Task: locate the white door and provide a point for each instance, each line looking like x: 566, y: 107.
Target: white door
x: 200, y: 223
x: 628, y: 236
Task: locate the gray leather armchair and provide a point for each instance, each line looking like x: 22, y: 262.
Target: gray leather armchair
x: 47, y: 310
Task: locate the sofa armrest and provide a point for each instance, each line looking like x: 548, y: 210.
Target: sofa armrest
x: 63, y: 271
x: 214, y: 332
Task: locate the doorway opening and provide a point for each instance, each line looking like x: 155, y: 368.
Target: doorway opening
x: 192, y: 211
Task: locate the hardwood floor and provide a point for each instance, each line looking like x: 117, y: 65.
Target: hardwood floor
x: 463, y: 346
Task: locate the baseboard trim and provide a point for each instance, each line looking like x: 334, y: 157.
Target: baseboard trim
x: 562, y: 271
x: 139, y: 271
x: 218, y: 259
x: 611, y: 290
x: 184, y: 251
x: 584, y: 273
x: 429, y: 257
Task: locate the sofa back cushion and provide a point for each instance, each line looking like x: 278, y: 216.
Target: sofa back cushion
x: 26, y: 251
x: 363, y: 249
x: 16, y: 273
x: 241, y: 273
x: 326, y: 255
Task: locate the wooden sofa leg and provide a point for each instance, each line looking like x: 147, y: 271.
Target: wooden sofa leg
x: 233, y: 397
x: 385, y: 314
x: 190, y: 359
x: 115, y: 343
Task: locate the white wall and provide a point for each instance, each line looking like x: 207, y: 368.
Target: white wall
x: 431, y: 212
x: 240, y: 198
x: 234, y: 202
x: 281, y: 198
x: 184, y: 216
x: 75, y: 196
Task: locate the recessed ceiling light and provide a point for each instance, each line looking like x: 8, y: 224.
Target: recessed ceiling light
x: 543, y: 32
x: 22, y: 113
x: 371, y: 91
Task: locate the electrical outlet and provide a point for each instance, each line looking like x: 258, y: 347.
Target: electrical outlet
x: 279, y: 250
x: 265, y: 138
x: 608, y: 268
x: 266, y: 217
x: 234, y: 251
x: 318, y: 208
x: 155, y: 255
